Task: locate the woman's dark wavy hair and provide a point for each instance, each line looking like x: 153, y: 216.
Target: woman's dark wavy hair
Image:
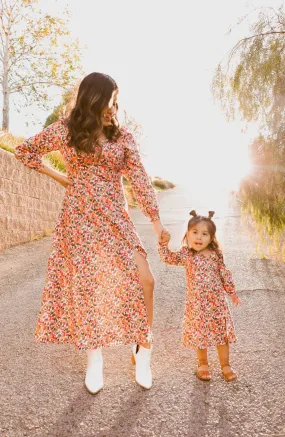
x: 210, y: 225
x: 84, y: 122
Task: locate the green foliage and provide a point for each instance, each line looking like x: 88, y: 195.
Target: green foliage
x: 262, y: 193
x: 55, y: 159
x: 53, y: 117
x: 38, y: 52
x: 252, y: 84
x: 9, y: 142
x: 64, y: 107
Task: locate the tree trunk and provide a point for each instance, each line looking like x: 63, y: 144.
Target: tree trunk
x: 5, y: 121
x: 5, y: 83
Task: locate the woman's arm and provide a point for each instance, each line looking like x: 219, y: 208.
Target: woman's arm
x: 31, y: 151
x: 58, y: 177
x: 158, y: 228
x: 144, y: 192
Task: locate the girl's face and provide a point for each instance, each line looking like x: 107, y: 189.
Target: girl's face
x: 110, y: 111
x: 199, y: 237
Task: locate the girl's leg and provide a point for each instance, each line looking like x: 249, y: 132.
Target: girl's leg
x: 147, y: 281
x: 203, y: 366
x: 224, y: 356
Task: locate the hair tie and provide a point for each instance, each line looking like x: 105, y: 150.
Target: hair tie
x: 211, y: 214
x: 193, y: 213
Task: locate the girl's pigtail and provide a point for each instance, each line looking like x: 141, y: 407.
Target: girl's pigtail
x: 193, y: 213
x: 211, y: 214
x: 184, y: 240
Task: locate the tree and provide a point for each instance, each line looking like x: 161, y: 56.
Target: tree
x: 61, y: 110
x: 36, y: 53
x: 251, y: 83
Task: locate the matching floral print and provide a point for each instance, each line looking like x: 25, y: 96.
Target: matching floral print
x: 93, y: 295
x: 207, y: 318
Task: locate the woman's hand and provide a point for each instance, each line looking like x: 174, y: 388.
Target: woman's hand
x: 158, y: 229
x: 58, y: 177
x: 64, y: 181
x: 236, y: 300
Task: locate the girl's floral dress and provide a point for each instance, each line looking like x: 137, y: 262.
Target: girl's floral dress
x: 207, y: 318
x: 93, y: 295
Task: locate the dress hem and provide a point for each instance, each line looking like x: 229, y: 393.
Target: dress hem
x: 148, y: 338
x: 213, y: 344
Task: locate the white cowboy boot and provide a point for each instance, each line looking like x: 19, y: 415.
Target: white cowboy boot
x: 141, y: 359
x: 94, y: 373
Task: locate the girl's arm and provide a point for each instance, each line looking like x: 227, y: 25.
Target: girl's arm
x: 227, y: 280
x: 172, y: 258
x: 144, y: 192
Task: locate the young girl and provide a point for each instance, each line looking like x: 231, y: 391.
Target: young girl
x: 207, y: 318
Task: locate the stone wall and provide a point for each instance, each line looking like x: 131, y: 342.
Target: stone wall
x: 29, y: 202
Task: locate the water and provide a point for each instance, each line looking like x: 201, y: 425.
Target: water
x: 176, y: 204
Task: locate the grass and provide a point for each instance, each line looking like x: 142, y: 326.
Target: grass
x: 262, y: 196
x: 8, y: 141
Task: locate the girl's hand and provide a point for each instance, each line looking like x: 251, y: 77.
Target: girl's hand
x: 165, y: 236
x: 236, y: 300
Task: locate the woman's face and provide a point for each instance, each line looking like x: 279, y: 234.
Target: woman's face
x: 110, y: 111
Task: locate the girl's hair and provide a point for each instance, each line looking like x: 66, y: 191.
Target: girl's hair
x: 84, y: 122
x: 210, y: 225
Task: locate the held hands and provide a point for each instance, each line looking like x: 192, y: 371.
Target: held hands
x: 236, y: 300
x: 164, y: 236
x: 160, y: 231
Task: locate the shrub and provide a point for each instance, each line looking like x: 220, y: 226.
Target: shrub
x: 162, y: 184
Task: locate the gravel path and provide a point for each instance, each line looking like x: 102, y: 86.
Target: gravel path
x: 42, y: 392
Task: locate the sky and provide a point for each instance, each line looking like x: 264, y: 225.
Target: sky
x: 163, y: 55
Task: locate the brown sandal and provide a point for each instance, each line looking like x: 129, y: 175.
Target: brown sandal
x: 204, y: 375
x: 230, y: 375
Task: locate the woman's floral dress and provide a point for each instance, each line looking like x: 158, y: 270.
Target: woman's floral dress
x: 93, y: 295
x: 207, y: 318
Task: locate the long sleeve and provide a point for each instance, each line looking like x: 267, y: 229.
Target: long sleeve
x: 31, y: 151
x: 172, y: 258
x: 226, y: 276
x: 135, y: 172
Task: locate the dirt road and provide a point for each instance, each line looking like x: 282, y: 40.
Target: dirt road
x: 42, y: 392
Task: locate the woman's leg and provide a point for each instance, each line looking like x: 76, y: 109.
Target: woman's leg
x: 142, y: 353
x: 147, y: 281
x: 94, y: 372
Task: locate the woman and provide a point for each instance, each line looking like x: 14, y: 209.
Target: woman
x: 99, y: 288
